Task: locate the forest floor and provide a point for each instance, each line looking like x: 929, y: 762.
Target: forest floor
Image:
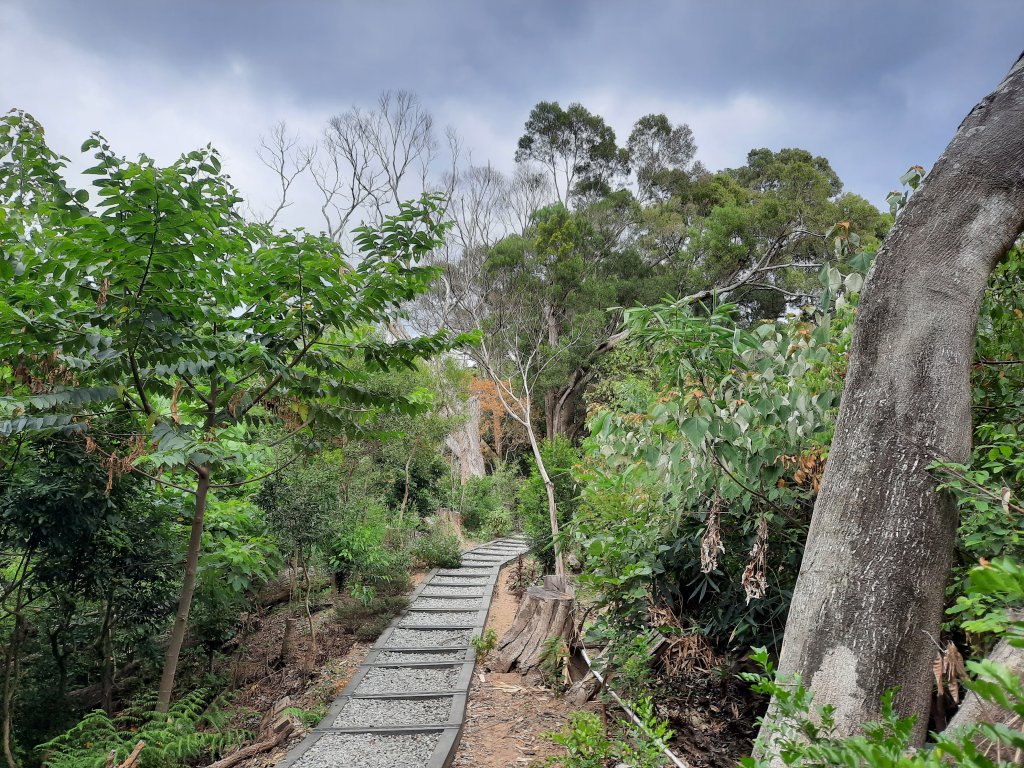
x: 310, y: 687
x: 506, y: 715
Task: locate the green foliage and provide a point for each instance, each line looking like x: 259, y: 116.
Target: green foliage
x: 310, y: 717
x: 360, y: 553
x: 589, y: 745
x: 990, y: 487
x: 574, y: 139
x: 364, y: 593
x: 367, y: 615
x: 626, y: 663
x: 188, y: 731
x: 585, y: 742
x: 238, y: 558
x: 696, y: 491
x: 804, y: 734
x: 150, y: 287
x: 559, y: 457
x: 487, y: 503
x: 485, y: 644
x: 554, y: 662
x: 438, y: 548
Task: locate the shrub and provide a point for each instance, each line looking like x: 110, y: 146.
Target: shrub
x: 484, y: 644
x: 487, y: 504
x: 373, y: 628
x: 361, y: 554
x: 366, y: 619
x: 438, y: 549
x: 589, y: 744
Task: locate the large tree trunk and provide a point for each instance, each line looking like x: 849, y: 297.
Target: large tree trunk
x: 188, y: 588
x: 464, y: 443
x: 569, y: 421
x: 879, y: 547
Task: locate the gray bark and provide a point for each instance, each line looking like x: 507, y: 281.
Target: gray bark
x: 464, y: 443
x: 879, y: 548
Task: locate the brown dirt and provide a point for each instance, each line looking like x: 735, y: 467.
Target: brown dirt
x: 259, y: 687
x: 506, y: 716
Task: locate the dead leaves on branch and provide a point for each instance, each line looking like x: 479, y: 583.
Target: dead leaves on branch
x: 755, y: 575
x: 711, y: 541
x: 948, y: 669
x: 808, y: 468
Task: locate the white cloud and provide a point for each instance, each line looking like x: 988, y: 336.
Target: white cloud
x: 142, y: 108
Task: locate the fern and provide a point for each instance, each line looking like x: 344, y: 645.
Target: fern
x: 188, y: 731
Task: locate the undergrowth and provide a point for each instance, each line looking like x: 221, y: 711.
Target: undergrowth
x: 190, y: 730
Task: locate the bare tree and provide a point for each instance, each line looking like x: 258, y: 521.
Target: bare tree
x: 526, y: 191
x: 282, y: 153
x: 510, y: 355
x: 365, y: 163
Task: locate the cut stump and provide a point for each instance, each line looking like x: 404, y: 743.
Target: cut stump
x: 543, y: 613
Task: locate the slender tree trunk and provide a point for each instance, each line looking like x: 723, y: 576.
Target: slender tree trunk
x: 188, y: 588
x: 313, y: 650
x: 105, y: 646
x: 549, y: 488
x: 12, y: 670
x: 408, y: 479
x: 549, y: 414
x: 879, y: 547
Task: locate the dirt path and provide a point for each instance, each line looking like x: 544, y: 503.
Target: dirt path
x: 506, y: 716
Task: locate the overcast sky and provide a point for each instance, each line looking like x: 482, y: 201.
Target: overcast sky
x: 873, y: 86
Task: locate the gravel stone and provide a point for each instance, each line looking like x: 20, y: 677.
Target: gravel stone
x: 428, y: 638
x: 470, y: 579
x: 408, y: 657
x: 408, y: 680
x: 449, y: 603
x: 448, y: 591
x: 439, y: 619
x: 375, y: 713
x: 370, y: 750
x: 464, y: 572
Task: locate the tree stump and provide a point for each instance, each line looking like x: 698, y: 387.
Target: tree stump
x: 543, y: 613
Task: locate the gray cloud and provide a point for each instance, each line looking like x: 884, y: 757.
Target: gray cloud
x: 874, y: 86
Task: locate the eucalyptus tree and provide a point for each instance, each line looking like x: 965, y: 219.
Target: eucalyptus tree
x: 659, y: 155
x: 161, y: 302
x: 878, y: 554
x: 576, y: 147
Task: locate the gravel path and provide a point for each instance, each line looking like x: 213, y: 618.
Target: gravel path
x: 375, y: 713
x: 370, y: 750
x: 404, y: 657
x: 467, y: 580
x: 408, y: 680
x: 428, y: 638
x: 456, y: 598
x: 448, y: 591
x: 439, y: 619
x: 448, y: 603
